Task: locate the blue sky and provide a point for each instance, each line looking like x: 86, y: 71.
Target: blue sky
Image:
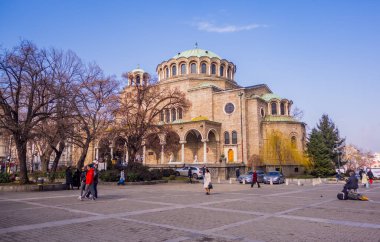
x: 323, y: 55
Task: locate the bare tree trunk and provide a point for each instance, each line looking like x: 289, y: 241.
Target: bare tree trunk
x: 45, y: 159
x: 58, y: 154
x: 21, y: 153
x: 83, y: 154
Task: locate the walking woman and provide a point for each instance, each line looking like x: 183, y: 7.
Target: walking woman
x: 207, y: 185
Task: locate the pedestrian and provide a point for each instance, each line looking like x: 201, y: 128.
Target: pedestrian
x: 76, y: 178
x: 365, y: 180
x: 237, y: 173
x: 69, y: 178
x: 190, y: 175
x: 122, y: 178
x: 207, y: 182
x: 82, y: 182
x: 96, y: 180
x: 89, y: 190
x: 370, y: 176
x: 337, y: 176
x: 254, y: 179
x: 361, y: 173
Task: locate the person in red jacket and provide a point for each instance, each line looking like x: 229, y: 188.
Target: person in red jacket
x: 89, y: 183
x: 254, y: 179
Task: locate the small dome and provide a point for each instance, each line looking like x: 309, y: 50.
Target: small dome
x: 138, y: 70
x: 269, y: 96
x: 197, y: 53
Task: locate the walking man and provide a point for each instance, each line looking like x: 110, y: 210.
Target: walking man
x: 190, y: 175
x: 89, y: 183
x: 254, y: 179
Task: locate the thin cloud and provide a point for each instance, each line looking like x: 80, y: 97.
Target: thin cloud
x: 210, y: 27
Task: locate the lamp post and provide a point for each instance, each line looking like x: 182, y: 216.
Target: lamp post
x: 241, y: 126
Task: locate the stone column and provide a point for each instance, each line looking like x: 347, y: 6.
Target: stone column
x: 278, y: 108
x: 111, y: 147
x: 182, y: 142
x: 204, y: 150
x: 286, y: 109
x: 144, y: 150
x: 96, y: 153
x: 269, y: 108
x: 162, y: 153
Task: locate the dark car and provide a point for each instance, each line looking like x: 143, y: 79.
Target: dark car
x: 248, y: 177
x: 275, y: 176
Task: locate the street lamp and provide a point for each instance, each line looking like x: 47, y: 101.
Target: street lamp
x: 241, y: 126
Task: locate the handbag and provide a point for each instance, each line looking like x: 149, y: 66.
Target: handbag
x: 210, y: 186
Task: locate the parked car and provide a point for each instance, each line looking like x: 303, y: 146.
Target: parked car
x: 276, y: 176
x: 184, y: 171
x: 248, y: 177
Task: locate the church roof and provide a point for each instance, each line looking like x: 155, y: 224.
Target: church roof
x: 197, y: 53
x: 138, y: 70
x: 269, y: 96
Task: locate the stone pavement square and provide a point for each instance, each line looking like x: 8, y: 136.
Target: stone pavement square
x: 182, y: 212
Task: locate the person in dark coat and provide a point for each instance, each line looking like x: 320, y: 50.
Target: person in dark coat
x: 69, y: 178
x: 351, y: 184
x: 83, y: 181
x: 370, y: 176
x: 96, y: 180
x: 190, y: 175
x: 237, y: 173
x: 76, y: 178
x: 254, y: 179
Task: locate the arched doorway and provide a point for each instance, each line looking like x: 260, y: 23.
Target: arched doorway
x: 172, y: 147
x: 152, y: 149
x: 212, y: 146
x: 104, y: 154
x: 193, y: 147
x: 230, y: 155
x: 120, y: 150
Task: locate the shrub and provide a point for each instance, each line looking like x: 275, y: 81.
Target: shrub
x: 4, y: 178
x: 172, y: 177
x: 132, y: 177
x: 109, y: 175
x: 322, y: 172
x: 156, y: 174
x: 168, y: 172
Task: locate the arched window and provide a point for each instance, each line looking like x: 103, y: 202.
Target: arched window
x: 203, y: 68
x: 293, y: 142
x: 282, y: 107
x: 179, y: 113
x: 167, y: 115
x: 183, y: 69
x: 162, y: 116
x: 174, y: 114
x: 274, y: 108
x: 166, y: 72
x: 193, y: 68
x: 213, y: 69
x: 234, y: 137
x: 137, y: 80
x: 226, y: 138
x: 174, y: 70
x: 229, y: 73
x: 221, y: 71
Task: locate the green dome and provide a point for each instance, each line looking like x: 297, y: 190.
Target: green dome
x: 197, y: 53
x: 269, y: 96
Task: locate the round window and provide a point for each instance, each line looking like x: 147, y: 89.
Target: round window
x: 229, y: 108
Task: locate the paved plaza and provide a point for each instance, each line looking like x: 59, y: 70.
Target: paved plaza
x: 182, y: 212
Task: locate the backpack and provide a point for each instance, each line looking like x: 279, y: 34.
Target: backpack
x: 341, y: 196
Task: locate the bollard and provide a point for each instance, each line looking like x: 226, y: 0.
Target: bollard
x: 230, y: 180
x: 312, y: 182
x: 298, y: 183
x: 243, y: 181
x: 319, y: 180
x: 271, y: 181
x: 286, y: 182
x: 218, y: 179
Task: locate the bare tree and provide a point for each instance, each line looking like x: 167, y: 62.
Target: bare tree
x: 27, y: 95
x: 95, y: 101
x: 139, y: 110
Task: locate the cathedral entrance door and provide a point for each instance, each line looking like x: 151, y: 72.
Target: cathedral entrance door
x: 230, y: 155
